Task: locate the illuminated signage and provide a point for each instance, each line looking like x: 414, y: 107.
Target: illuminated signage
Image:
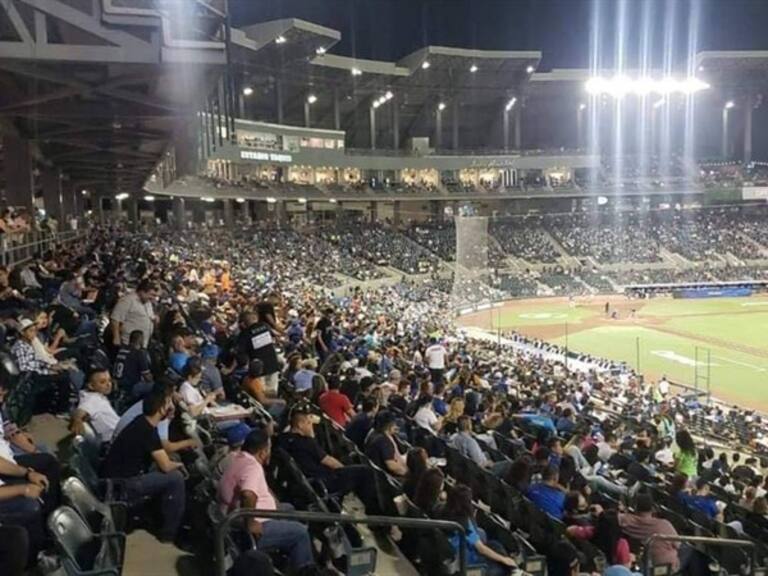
x: 267, y: 156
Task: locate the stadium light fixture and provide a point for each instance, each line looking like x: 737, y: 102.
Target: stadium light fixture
x: 302, y: 200
x: 582, y: 106
x: 320, y: 50
x: 730, y: 104
x: 247, y: 91
x: 281, y: 39
x: 425, y: 65
x: 530, y: 69
x: 376, y: 103
x: 149, y: 198
x: 332, y: 200
x: 122, y: 196
x: 388, y: 95
x: 239, y: 200
x: 620, y: 86
x: 510, y: 104
x: 84, y: 192
x: 356, y: 72
x: 311, y: 99
x: 659, y: 103
x: 208, y: 199
x: 441, y: 106
x: 271, y: 200
x: 473, y: 68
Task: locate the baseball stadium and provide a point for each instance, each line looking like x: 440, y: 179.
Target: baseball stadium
x: 383, y: 288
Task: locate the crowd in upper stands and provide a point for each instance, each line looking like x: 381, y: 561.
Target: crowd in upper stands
x: 213, y: 366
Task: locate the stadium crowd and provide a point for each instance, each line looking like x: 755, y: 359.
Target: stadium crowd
x: 199, y: 368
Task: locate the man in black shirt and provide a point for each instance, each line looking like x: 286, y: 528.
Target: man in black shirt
x: 324, y: 335
x: 357, y: 429
x: 132, y: 369
x: 381, y: 447
x: 132, y: 456
x: 256, y: 340
x: 339, y: 479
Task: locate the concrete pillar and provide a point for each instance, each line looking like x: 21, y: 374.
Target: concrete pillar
x: 229, y: 213
x: 455, y: 125
x: 336, y: 110
x: 438, y: 129
x: 724, y: 152
x: 518, y: 127
x: 102, y: 217
x: 279, y: 101
x: 372, y: 209
x: 51, y: 180
x: 18, y: 172
x: 133, y: 211
x: 506, y: 129
x: 372, y: 126
x: 185, y: 148
x: 67, y: 203
x: 396, y: 209
x: 749, y: 107
x: 307, y: 114
x: 179, y: 213
x: 395, y: 125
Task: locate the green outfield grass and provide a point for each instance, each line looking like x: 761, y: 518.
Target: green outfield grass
x: 664, y: 338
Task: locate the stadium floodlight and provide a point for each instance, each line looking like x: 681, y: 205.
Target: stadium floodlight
x: 332, y: 200
x: 659, y: 103
x: 441, y: 106
x: 473, y: 68
x: 320, y: 50
x: 620, y: 86
x: 510, y: 104
x: 602, y: 200
x: 121, y: 196
x: 311, y: 99
x: 356, y: 72
x: 208, y: 199
x: 582, y: 106
x: 271, y: 200
x: 730, y: 104
x: 239, y: 200
x: 425, y: 65
x: 376, y: 103
x: 530, y: 69
x: 389, y: 95
x: 149, y: 198
x: 281, y: 39
x: 302, y: 200
x: 84, y: 192
x: 247, y: 91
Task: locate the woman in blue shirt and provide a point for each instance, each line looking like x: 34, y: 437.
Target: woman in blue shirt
x: 490, y: 555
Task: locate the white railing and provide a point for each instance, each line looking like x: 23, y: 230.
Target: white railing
x: 16, y: 248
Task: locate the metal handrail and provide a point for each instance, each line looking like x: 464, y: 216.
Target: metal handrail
x: 698, y: 540
x: 15, y: 253
x: 418, y: 523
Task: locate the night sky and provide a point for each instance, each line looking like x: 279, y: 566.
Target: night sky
x: 561, y: 29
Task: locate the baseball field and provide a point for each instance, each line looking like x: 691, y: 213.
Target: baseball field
x: 722, y: 340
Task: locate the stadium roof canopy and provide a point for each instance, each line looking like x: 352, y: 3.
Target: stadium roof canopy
x: 294, y: 54
x: 734, y: 69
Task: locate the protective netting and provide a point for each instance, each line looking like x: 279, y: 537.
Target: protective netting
x: 472, y: 278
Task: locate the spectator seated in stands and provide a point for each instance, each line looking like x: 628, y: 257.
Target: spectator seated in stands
x: 604, y: 531
x: 50, y: 387
x: 338, y: 478
x: 361, y: 424
x: 211, y: 380
x: 642, y: 524
x: 336, y: 404
x: 132, y: 369
x: 179, y: 354
x: 244, y: 485
x: 382, y: 448
x: 548, y: 495
x: 29, y: 482
x: 254, y: 385
x: 701, y: 500
x: 429, y: 495
x: 491, y: 555
x: 95, y: 408
x: 466, y: 444
x: 136, y: 452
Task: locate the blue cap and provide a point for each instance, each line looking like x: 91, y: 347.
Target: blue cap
x: 302, y: 380
x: 210, y: 351
x: 237, y: 434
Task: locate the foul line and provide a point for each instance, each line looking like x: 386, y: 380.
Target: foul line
x: 746, y: 364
